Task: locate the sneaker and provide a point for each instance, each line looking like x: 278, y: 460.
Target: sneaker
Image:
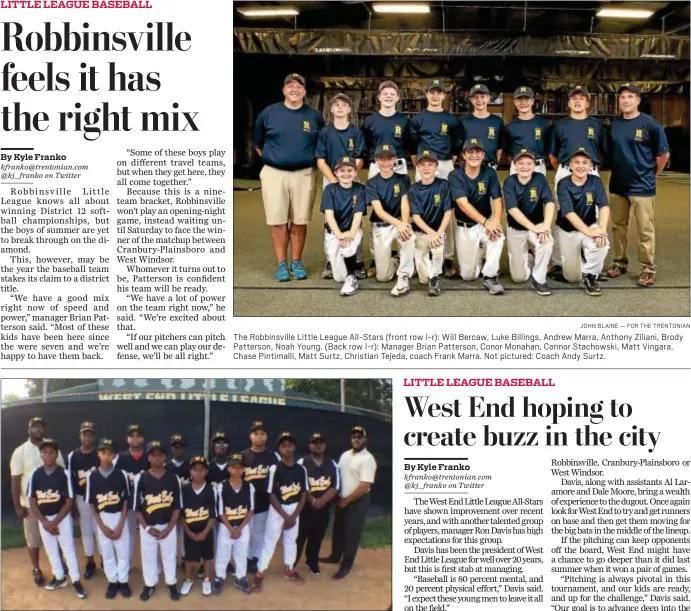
x: 313, y: 568
x: 257, y: 583
x: 327, y: 272
x: 125, y: 591
x: 54, y: 584
x: 186, y: 587
x: 79, y: 589
x: 174, y: 592
x: 282, y: 273
x: 372, y: 270
x: 38, y: 577
x: 402, y: 286
x: 147, y: 593
x: 206, y: 587
x: 541, y: 289
x: 90, y: 569
x: 112, y: 589
x: 360, y: 271
x: 241, y: 584
x: 616, y: 270
x: 556, y: 273
x: 294, y: 576
x: 646, y: 279
x: 297, y: 269
x: 216, y: 586
x: 493, y: 286
x: 592, y: 287
x: 200, y: 572
x: 433, y: 288
x: 350, y: 286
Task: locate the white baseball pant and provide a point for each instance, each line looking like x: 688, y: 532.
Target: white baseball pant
x: 468, y: 241
x: 571, y: 244
x: 115, y: 554
x: 87, y: 524
x: 227, y: 548
x: 274, y: 532
x: 519, y: 264
x: 132, y: 525
x: 428, y: 261
x: 445, y: 168
x: 383, y: 236
x: 63, y: 540
x: 150, y: 554
x: 540, y: 167
x: 400, y: 166
x: 257, y: 528
x: 359, y: 259
x: 337, y: 254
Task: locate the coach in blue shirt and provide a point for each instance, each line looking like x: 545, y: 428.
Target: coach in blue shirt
x: 285, y: 136
x: 640, y: 152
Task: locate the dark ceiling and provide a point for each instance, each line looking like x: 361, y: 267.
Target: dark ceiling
x: 532, y: 17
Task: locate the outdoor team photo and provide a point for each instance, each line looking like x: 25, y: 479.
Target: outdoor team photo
x: 483, y: 183
x: 254, y: 515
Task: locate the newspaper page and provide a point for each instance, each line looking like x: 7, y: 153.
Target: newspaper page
x: 233, y: 236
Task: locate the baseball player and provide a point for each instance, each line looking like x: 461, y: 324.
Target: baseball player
x: 133, y: 461
x: 285, y: 136
x: 157, y: 501
x: 479, y: 208
x: 198, y: 517
x: 108, y: 494
x: 288, y: 487
x: 640, y: 151
x: 80, y: 463
x: 530, y: 211
x: 582, y: 223
x: 324, y: 484
x: 485, y: 127
x: 340, y: 138
x: 218, y: 467
x: 257, y: 461
x: 50, y: 495
x: 571, y: 133
x: 178, y: 465
x: 344, y: 204
x: 390, y: 219
x: 430, y: 205
x: 235, y: 510
x: 528, y: 131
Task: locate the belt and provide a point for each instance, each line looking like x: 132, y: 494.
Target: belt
x: 464, y: 224
x: 380, y: 224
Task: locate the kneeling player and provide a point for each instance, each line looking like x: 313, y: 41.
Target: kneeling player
x: 530, y: 212
x: 582, y: 223
x: 387, y: 193
x: 430, y: 205
x: 343, y: 204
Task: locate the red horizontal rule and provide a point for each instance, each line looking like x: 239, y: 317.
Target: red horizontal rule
x: 478, y: 382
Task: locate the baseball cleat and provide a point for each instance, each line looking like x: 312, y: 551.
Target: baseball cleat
x: 257, y: 584
x: 54, y: 584
x: 90, y: 570
x: 147, y: 593
x: 217, y: 586
x: 314, y: 569
x: 79, y: 589
x: 241, y: 584
x: 186, y: 587
x: 294, y: 576
x: 125, y: 591
x: 112, y: 590
x: 174, y: 592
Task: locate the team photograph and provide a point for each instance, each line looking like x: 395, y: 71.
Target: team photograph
x: 497, y: 182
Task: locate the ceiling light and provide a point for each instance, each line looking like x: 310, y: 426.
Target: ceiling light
x: 624, y: 13
x: 658, y: 56
x: 269, y: 12
x: 400, y: 7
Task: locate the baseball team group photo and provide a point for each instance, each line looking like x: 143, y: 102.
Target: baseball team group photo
x: 272, y: 498
x: 548, y: 175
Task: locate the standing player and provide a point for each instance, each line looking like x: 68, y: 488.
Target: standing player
x: 288, y: 488
x: 80, y: 463
x: 50, y: 495
x: 178, y: 465
x: 157, y: 501
x: 108, y: 495
x: 390, y: 220
x: 235, y: 510
x: 528, y: 131
x: 340, y: 138
x: 640, y: 152
x: 530, y: 211
x: 218, y: 467
x: 485, y: 127
x: 582, y: 223
x: 199, y: 521
x: 479, y: 208
x: 258, y: 460
x: 324, y: 484
x: 133, y: 461
x: 285, y: 136
x: 430, y: 205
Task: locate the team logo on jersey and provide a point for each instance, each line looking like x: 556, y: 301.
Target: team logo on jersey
x: 397, y: 190
x: 533, y: 195
x: 288, y: 492
x: 82, y: 474
x: 589, y: 198
x: 47, y: 496
x: 591, y: 132
x: 257, y: 472
x: 351, y: 144
x: 158, y: 501
x: 639, y: 135
x: 444, y: 128
x: 104, y: 500
x: 481, y: 188
x: 318, y: 484
x: 235, y: 513
x: 538, y: 133
x: 196, y: 515
x: 491, y: 133
x: 306, y: 126
x: 397, y: 131
x: 437, y: 199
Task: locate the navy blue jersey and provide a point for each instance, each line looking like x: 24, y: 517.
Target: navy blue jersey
x: 430, y: 202
x: 217, y: 472
x: 480, y: 191
x: 235, y: 504
x: 79, y: 465
x: 157, y: 497
x: 51, y: 491
x: 288, y: 137
x: 182, y: 470
x: 570, y: 134
x: 583, y: 200
x: 131, y: 465
x: 198, y: 506
x: 635, y: 145
x: 322, y: 477
x: 389, y: 191
x: 108, y: 494
x: 287, y: 482
x: 489, y: 131
x: 379, y: 129
x: 257, y: 466
x: 439, y: 132
x: 528, y: 134
x: 334, y: 143
x: 530, y: 198
x: 345, y: 203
